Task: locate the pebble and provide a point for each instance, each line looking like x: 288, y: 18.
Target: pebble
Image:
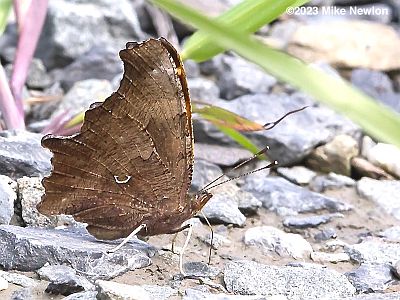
x: 269, y: 238
x: 334, y: 156
x: 369, y: 277
x: 285, y: 198
x: 391, y: 234
x: 321, y: 257
x: 298, y: 174
x: 30, y: 248
x: 295, y: 282
x: 382, y: 192
x: 375, y: 251
x: 387, y: 157
x: 325, y: 234
x: 332, y: 181
x: 310, y: 221
x: 63, y: 280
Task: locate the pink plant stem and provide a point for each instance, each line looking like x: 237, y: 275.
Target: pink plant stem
x: 12, y: 117
x: 28, y: 37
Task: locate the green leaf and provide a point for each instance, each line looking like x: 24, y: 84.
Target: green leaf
x: 5, y: 7
x: 247, y: 17
x: 376, y: 119
x: 222, y: 117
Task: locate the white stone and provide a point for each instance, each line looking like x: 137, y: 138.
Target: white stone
x: 384, y: 193
x: 3, y: 284
x: 269, y: 238
x: 118, y: 291
x: 386, y: 156
x: 329, y: 257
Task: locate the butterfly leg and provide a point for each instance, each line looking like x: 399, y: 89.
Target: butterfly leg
x: 211, y: 237
x: 184, y: 248
x: 176, y: 235
x: 129, y: 237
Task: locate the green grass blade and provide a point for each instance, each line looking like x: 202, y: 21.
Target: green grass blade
x: 376, y: 119
x: 247, y: 17
x: 5, y: 7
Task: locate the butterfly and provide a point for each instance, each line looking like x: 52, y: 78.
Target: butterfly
x: 130, y: 167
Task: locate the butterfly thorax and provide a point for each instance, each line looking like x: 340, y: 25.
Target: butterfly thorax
x: 171, y: 222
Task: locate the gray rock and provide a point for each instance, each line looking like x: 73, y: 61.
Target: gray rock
x: 82, y: 296
x: 375, y: 296
x: 386, y: 156
x: 196, y: 294
x: 24, y: 294
x: 285, y: 198
x: 373, y: 83
x: 8, y: 195
x: 114, y: 290
x: 29, y: 249
x: 323, y: 257
x: 299, y: 175
x: 392, y: 234
x: 334, y: 156
x: 247, y: 203
x: 203, y: 173
x: 374, y: 250
x: 37, y: 75
x: 293, y: 138
x: 159, y: 292
x: 376, y: 84
x: 63, y: 280
x: 18, y: 279
x: 100, y: 62
x: 269, y: 238
x: 202, y: 89
x: 325, y: 235
x: 99, y: 23
x: 301, y: 282
x: 200, y: 269
x: 220, y: 155
x: 22, y: 155
x: 309, y: 222
x: 331, y: 181
x: 222, y: 208
x: 382, y: 192
x: 192, y: 68
x: 82, y: 95
x: 30, y: 192
x: 237, y: 77
x: 370, y: 278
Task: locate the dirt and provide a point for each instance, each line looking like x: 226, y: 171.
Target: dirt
x: 364, y: 219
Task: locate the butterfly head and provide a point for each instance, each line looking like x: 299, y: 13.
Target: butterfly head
x: 198, y: 200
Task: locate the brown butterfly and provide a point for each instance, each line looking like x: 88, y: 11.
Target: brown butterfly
x: 131, y: 165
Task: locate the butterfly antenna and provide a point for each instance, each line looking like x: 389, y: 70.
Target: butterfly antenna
x: 271, y: 165
x: 271, y: 125
x: 259, y: 153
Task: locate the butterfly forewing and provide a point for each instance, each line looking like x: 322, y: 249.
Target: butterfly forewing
x: 132, y: 161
